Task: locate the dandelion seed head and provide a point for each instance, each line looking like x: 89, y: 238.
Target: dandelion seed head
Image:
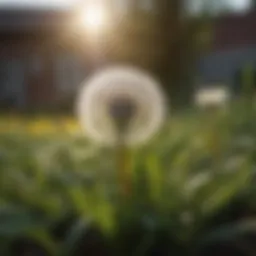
x: 124, y: 94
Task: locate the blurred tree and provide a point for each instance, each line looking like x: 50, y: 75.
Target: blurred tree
x: 164, y: 39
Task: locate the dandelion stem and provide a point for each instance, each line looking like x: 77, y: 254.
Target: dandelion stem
x: 123, y: 169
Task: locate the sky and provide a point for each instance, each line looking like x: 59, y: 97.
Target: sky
x: 236, y: 4
x: 36, y: 3
x: 239, y: 4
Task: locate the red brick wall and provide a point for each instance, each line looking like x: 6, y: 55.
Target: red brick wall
x: 40, y: 81
x: 234, y: 31
x: 40, y: 84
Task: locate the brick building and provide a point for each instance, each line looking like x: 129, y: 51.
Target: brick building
x: 233, y: 48
x: 39, y: 68
x: 36, y: 67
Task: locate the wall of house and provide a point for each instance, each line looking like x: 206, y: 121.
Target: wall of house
x: 221, y: 66
x: 69, y: 74
x: 39, y: 79
x: 12, y: 86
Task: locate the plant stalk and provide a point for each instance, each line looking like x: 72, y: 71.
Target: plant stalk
x: 123, y: 168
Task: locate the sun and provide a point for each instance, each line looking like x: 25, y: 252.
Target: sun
x: 94, y: 18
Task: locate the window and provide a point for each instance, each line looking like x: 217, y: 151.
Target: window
x: 69, y: 73
x: 12, y: 81
x: 36, y: 64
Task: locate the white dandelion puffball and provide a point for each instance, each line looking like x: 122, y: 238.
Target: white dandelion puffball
x: 122, y: 99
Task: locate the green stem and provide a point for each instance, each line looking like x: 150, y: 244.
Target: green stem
x: 123, y: 169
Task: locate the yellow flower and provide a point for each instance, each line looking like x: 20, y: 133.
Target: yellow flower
x: 40, y: 127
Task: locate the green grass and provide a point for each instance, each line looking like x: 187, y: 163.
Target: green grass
x: 188, y: 173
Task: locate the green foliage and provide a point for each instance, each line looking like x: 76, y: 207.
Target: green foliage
x: 188, y: 174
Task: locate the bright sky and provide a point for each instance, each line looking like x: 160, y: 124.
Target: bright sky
x: 36, y: 3
x: 237, y: 4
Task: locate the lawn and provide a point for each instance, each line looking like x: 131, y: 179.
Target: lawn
x: 55, y: 185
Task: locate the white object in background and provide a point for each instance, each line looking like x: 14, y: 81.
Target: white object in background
x: 212, y: 96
